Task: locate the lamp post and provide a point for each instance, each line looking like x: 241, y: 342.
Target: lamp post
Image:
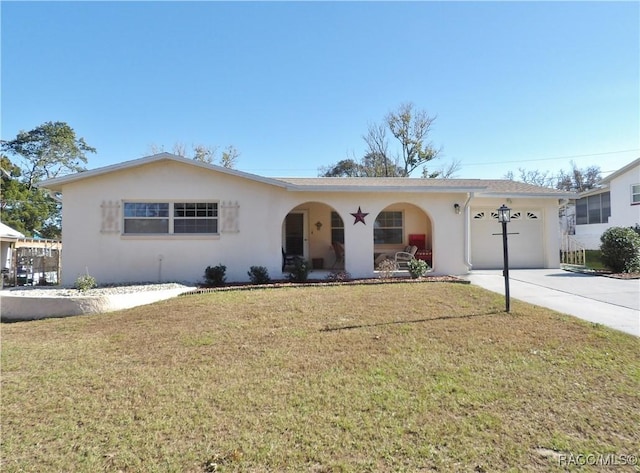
x: 504, y: 216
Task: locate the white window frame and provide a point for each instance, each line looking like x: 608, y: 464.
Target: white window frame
x: 211, y: 210
x: 635, y: 194
x: 379, y: 227
x: 143, y: 212
x: 196, y: 212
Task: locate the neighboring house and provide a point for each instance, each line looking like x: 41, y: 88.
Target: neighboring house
x: 8, y: 239
x: 28, y: 260
x: 166, y: 218
x: 614, y: 203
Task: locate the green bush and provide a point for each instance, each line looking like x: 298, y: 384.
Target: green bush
x: 300, y: 271
x: 85, y: 282
x: 418, y: 268
x: 259, y: 275
x: 214, y: 276
x: 620, y: 249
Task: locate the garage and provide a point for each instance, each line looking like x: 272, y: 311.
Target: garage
x: 526, y: 242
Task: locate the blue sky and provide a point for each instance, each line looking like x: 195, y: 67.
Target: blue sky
x: 293, y: 86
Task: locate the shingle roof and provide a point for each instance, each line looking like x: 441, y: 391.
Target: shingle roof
x: 486, y: 187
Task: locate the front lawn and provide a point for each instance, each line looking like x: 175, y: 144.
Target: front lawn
x: 394, y: 377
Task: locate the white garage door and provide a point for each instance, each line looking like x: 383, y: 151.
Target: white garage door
x: 526, y: 244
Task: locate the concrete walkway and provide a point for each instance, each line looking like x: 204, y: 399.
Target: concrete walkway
x: 607, y: 301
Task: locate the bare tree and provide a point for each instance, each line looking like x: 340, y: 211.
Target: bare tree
x: 180, y: 149
x: 229, y: 157
x: 575, y: 180
x: 447, y: 171
x: 377, y: 152
x: 535, y: 177
x: 579, y: 180
x: 410, y: 127
x: 203, y: 153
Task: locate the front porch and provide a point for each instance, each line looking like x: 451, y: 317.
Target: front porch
x: 316, y: 232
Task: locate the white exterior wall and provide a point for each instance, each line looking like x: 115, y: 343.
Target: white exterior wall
x: 623, y: 213
x: 5, y: 254
x: 114, y: 257
x: 589, y: 235
x: 111, y: 257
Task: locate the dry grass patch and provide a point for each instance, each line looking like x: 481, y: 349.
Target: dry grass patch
x: 415, y: 377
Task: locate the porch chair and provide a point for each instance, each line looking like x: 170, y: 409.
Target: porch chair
x: 338, y: 249
x: 402, y: 258
x: 287, y: 260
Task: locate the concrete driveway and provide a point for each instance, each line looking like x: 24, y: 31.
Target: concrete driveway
x: 607, y: 301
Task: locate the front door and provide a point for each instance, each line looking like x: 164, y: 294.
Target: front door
x: 295, y: 234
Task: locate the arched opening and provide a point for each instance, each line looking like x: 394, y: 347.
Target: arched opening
x: 313, y: 231
x: 402, y: 228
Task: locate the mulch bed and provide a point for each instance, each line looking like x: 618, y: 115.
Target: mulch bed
x: 609, y: 274
x: 323, y: 282
x: 604, y: 272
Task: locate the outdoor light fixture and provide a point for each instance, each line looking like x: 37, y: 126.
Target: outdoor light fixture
x: 318, y: 225
x: 456, y: 207
x: 504, y: 216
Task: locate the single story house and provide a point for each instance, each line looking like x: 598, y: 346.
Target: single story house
x: 166, y: 218
x: 614, y: 203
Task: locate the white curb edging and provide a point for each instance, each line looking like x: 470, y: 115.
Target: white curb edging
x: 21, y: 308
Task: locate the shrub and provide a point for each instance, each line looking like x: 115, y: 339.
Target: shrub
x: 85, y: 282
x: 620, y: 249
x: 300, y: 271
x: 214, y: 276
x: 338, y: 276
x: 259, y: 275
x: 386, y: 268
x: 418, y: 268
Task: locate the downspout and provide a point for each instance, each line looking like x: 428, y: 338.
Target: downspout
x: 467, y: 232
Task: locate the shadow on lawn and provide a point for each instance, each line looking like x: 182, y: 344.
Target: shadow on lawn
x: 413, y: 321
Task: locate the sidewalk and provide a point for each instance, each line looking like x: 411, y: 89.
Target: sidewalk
x: 611, y: 302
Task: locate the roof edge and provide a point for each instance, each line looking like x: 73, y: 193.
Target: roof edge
x: 620, y: 171
x: 57, y: 182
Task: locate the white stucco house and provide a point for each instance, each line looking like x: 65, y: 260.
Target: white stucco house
x: 166, y: 218
x: 614, y: 203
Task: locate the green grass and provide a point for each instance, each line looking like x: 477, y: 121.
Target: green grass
x: 593, y: 260
x: 397, y: 377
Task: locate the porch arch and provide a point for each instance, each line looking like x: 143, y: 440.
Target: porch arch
x: 399, y: 225
x: 309, y: 230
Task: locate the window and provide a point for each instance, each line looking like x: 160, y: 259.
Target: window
x: 337, y: 228
x: 170, y: 218
x: 593, y: 209
x: 195, y: 217
x: 635, y: 194
x: 388, y: 228
x: 146, y: 217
